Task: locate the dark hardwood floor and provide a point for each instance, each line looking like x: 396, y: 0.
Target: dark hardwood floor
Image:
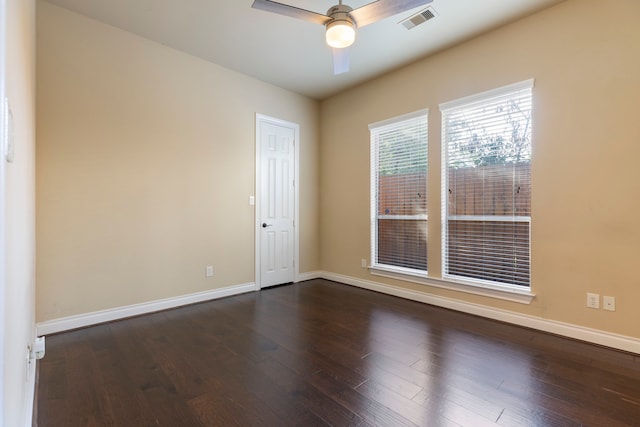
x: 320, y: 353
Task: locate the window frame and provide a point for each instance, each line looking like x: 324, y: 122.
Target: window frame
x: 422, y: 114
x: 479, y: 98
x: 503, y: 292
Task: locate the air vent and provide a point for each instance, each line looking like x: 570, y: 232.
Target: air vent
x: 419, y: 18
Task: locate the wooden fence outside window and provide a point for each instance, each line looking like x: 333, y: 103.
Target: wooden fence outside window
x: 489, y: 210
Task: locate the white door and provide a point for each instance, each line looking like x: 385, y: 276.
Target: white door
x: 276, y: 210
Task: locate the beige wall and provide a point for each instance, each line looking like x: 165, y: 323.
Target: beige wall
x: 586, y: 136
x: 146, y: 157
x: 145, y: 165
x: 19, y: 214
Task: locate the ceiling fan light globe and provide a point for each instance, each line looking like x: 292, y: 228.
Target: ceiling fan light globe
x: 340, y: 34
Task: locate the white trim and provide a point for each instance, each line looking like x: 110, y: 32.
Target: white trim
x: 487, y: 95
x: 373, y: 197
x: 93, y: 318
x: 3, y: 241
x: 3, y: 224
x: 594, y: 336
x: 474, y: 100
x: 82, y: 320
x: 374, y: 216
x: 310, y: 275
x: 506, y: 293
x: 261, y: 118
x: 399, y: 273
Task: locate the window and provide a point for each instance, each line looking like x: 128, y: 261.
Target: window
x: 486, y: 192
x: 399, y: 193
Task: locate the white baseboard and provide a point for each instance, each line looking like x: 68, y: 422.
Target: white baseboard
x: 309, y: 276
x: 595, y: 336
x: 88, y: 319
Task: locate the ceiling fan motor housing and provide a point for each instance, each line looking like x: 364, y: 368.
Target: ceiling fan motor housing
x: 340, y: 13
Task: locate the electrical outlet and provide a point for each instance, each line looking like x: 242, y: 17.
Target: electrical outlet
x: 593, y: 300
x: 609, y: 303
x: 363, y: 263
x: 209, y: 271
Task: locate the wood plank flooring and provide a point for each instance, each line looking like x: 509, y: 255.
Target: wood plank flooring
x: 320, y: 353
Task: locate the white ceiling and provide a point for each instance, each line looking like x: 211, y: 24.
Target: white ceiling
x: 291, y: 53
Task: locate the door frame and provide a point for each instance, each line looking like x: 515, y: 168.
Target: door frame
x: 3, y: 225
x: 262, y: 118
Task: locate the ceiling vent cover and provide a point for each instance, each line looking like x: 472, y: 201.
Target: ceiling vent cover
x: 419, y: 18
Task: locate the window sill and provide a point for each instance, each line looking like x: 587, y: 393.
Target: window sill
x: 493, y: 291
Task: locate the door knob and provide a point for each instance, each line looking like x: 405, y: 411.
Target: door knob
x: 265, y: 225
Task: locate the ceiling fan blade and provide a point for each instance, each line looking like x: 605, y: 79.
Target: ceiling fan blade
x: 292, y: 11
x: 381, y: 9
x: 340, y: 60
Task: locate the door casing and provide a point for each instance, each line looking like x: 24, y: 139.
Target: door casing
x: 3, y: 135
x: 261, y: 118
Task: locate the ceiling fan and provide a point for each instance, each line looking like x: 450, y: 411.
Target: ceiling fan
x: 341, y: 21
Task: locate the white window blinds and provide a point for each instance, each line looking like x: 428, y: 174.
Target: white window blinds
x: 487, y: 187
x: 399, y: 193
